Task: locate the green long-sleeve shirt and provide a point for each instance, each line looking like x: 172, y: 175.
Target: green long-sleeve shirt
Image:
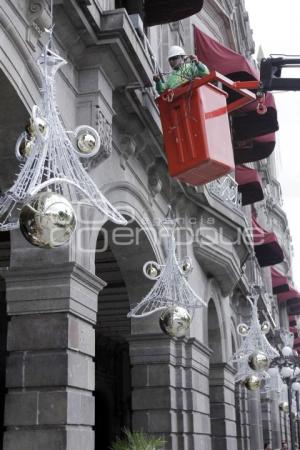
x: 184, y: 73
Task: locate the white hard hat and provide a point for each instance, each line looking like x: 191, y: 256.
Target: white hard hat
x: 175, y: 50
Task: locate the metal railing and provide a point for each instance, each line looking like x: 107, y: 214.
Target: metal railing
x: 225, y: 189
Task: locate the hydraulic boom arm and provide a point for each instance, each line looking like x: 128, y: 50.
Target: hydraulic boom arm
x: 270, y: 74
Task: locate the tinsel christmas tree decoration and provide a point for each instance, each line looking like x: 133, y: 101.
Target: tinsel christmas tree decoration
x: 255, y: 353
x: 52, y: 177
x: 171, y: 292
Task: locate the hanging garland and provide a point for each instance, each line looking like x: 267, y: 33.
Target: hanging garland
x: 171, y: 292
x: 52, y: 177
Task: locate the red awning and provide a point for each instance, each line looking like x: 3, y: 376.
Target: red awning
x: 254, y: 149
x: 291, y: 296
x: 294, y: 330
x: 158, y: 12
x: 294, y: 309
x: 250, y: 124
x: 222, y: 59
x: 267, y: 249
x: 292, y: 321
x: 280, y: 282
x: 216, y: 56
x: 250, y: 185
x: 297, y: 342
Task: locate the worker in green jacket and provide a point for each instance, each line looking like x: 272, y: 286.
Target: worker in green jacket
x: 182, y: 72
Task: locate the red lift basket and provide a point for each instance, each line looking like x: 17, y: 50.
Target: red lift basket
x: 196, y: 128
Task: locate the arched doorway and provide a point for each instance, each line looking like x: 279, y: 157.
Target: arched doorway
x: 113, y: 380
x: 215, y: 384
x: 119, y: 260
x: 4, y: 262
x: 221, y: 384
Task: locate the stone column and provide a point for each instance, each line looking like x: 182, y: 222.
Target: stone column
x: 255, y: 421
x: 275, y: 421
x: 170, y: 390
x: 242, y: 419
x: 222, y: 406
x: 266, y: 418
x: 50, y: 370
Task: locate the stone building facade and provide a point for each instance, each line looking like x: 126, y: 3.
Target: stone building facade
x: 74, y: 369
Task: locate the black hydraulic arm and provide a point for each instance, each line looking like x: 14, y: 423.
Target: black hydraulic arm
x: 270, y: 74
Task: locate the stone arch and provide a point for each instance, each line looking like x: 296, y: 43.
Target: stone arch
x: 18, y: 64
x: 132, y: 204
x: 4, y: 262
x: 215, y: 309
x: 214, y: 333
x: 118, y: 262
x: 221, y: 377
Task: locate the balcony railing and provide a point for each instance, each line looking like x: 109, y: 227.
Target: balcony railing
x: 225, y: 189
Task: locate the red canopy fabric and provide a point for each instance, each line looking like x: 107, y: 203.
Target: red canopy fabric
x: 267, y: 249
x: 294, y: 309
x: 158, y: 12
x: 216, y: 56
x: 222, y: 59
x: 291, y: 296
x: 250, y: 185
x: 254, y: 149
x: 280, y: 282
x: 292, y: 321
x: 297, y: 342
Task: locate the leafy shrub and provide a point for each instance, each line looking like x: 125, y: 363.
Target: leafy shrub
x: 138, y: 441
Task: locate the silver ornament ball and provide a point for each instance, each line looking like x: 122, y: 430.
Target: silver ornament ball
x: 48, y: 220
x: 258, y: 361
x: 25, y: 148
x: 243, y: 329
x: 265, y: 327
x: 39, y: 126
x: 252, y: 383
x: 284, y: 406
x: 175, y: 321
x: 151, y: 271
x: 187, y: 266
x: 86, y: 143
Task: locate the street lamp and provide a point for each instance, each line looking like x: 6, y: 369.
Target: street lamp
x: 288, y: 364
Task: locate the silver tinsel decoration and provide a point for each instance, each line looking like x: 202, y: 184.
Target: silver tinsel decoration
x: 254, y: 347
x: 171, y: 288
x: 51, y: 155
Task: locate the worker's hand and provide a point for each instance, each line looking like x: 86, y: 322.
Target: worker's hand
x: 193, y: 58
x: 156, y: 77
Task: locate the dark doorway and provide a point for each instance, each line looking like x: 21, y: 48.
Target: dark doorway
x: 4, y: 262
x: 113, y: 373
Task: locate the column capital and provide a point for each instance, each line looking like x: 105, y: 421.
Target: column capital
x: 66, y: 287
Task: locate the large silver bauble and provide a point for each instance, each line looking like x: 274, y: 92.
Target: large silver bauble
x: 243, y: 329
x: 86, y: 143
x: 265, y: 327
x: 284, y: 406
x: 258, y: 361
x: 252, y: 383
x: 48, y: 220
x: 175, y: 321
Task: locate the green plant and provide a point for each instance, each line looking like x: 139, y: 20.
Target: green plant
x: 138, y: 441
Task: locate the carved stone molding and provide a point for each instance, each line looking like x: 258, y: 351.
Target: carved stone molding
x: 104, y: 129
x: 128, y: 148
x: 154, y: 180
x: 39, y: 18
